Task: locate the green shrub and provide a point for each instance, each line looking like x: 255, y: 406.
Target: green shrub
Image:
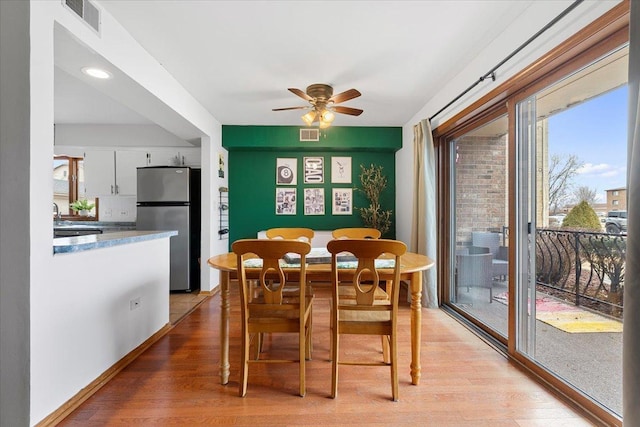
x: 582, y: 217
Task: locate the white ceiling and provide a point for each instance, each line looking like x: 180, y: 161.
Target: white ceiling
x: 237, y: 58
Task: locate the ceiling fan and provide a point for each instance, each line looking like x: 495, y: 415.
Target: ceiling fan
x: 323, y: 104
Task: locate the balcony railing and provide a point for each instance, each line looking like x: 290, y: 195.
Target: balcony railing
x: 582, y: 267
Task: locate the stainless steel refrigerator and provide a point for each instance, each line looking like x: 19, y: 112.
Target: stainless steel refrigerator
x: 168, y: 198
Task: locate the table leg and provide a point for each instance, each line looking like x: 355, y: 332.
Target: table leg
x: 416, y: 325
x: 224, y: 327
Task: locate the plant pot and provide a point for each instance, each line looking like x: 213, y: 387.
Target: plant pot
x: 84, y: 212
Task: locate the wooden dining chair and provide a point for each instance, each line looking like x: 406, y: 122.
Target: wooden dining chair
x: 356, y: 233
x: 296, y: 233
x: 272, y: 311
x: 365, y: 314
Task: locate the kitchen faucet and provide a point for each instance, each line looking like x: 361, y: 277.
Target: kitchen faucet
x: 57, y: 211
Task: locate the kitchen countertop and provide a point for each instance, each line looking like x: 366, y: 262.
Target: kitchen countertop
x: 106, y: 240
x: 102, y: 225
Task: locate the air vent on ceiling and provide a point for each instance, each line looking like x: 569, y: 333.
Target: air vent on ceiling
x: 309, y: 135
x: 85, y: 10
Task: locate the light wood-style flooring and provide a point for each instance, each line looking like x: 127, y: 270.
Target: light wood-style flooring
x: 181, y: 304
x: 464, y: 382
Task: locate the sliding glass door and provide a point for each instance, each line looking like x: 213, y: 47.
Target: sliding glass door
x: 536, y: 245
x: 479, y: 257
x: 571, y: 173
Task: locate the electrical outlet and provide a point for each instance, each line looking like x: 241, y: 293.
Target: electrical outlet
x: 134, y: 303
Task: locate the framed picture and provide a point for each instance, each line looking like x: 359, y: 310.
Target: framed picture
x: 314, y: 201
x: 314, y: 170
x: 285, y: 201
x: 341, y: 200
x: 341, y: 170
x: 286, y: 171
x: 220, y: 165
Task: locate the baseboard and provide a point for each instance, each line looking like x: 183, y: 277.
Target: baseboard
x: 72, y: 404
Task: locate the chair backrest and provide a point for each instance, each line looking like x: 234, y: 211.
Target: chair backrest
x: 486, y: 239
x: 366, y: 277
x: 294, y: 233
x: 474, y: 270
x: 271, y: 277
x: 356, y: 233
x: 475, y: 250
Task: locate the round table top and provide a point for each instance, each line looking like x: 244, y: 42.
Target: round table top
x: 410, y: 263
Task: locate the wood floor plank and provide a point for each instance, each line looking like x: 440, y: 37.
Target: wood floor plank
x: 464, y: 382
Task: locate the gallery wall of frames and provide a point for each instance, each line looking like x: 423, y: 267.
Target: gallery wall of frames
x: 275, y: 180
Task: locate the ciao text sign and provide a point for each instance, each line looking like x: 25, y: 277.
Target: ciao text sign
x: 314, y: 170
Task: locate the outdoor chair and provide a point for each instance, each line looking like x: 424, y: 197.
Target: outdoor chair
x: 474, y: 270
x: 500, y: 262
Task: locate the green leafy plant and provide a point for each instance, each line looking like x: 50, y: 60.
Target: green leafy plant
x: 82, y: 205
x: 373, y: 182
x: 582, y: 217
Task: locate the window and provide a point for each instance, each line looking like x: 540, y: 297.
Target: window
x: 68, y: 183
x: 615, y: 193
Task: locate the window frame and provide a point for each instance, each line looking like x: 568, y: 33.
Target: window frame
x: 73, y: 186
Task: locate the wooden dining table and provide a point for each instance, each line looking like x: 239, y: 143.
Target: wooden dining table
x: 412, y: 266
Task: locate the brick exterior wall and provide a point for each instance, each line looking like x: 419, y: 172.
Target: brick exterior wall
x: 481, y: 186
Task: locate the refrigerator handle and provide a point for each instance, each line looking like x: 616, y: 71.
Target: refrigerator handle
x: 117, y: 189
x: 111, y: 188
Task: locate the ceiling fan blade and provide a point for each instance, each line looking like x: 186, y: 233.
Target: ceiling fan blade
x: 347, y: 110
x: 300, y: 93
x: 289, y: 108
x: 344, y: 96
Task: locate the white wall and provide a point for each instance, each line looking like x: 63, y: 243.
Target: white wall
x: 51, y: 358
x: 83, y: 135
x: 522, y: 28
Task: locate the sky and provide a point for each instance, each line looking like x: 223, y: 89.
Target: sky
x: 596, y: 132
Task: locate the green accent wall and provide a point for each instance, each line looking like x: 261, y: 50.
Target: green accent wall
x: 253, y: 154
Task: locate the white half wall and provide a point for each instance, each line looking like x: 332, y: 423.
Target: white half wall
x: 83, y: 322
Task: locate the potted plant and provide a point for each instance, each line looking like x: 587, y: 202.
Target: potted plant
x: 82, y: 207
x: 373, y: 183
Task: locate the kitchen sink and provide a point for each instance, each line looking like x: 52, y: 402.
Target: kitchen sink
x: 74, y: 230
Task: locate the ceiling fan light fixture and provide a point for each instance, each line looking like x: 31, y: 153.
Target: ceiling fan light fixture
x: 324, y: 125
x: 328, y: 116
x: 310, y: 117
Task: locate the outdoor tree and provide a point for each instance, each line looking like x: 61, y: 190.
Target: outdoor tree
x: 586, y: 194
x: 562, y: 169
x: 582, y: 216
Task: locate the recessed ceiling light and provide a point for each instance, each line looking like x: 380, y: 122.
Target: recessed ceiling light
x: 98, y: 73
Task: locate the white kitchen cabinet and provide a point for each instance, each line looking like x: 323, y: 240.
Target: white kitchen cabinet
x: 191, y: 156
x: 109, y: 172
x: 127, y: 163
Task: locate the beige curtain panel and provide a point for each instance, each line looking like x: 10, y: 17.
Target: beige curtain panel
x: 423, y: 227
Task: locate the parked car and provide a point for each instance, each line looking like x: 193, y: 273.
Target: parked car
x: 616, y: 222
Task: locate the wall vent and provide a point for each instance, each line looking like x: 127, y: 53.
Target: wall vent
x: 85, y: 10
x: 309, y: 135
